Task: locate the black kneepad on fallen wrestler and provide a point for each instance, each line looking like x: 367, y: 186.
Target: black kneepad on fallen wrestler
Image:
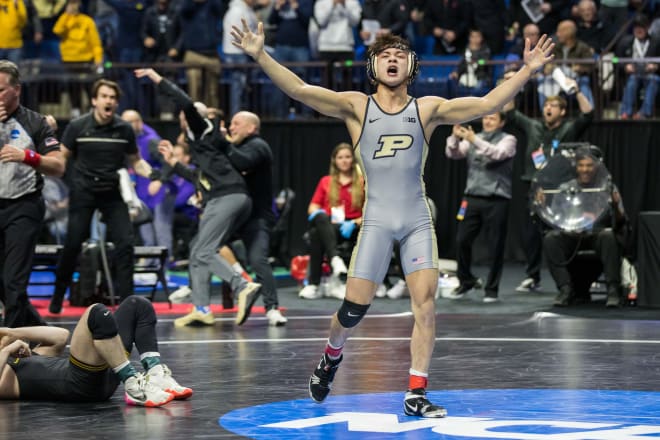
x: 350, y: 314
x: 142, y: 307
x: 101, y: 323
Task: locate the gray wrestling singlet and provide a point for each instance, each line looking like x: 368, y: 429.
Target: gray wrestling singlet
x: 392, y: 152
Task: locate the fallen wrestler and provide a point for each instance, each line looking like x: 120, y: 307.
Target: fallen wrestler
x: 32, y: 368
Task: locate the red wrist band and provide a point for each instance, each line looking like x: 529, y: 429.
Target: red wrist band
x: 32, y: 158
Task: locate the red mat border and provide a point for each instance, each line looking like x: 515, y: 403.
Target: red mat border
x: 161, y: 308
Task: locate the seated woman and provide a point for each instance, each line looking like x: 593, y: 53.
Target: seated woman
x: 335, y: 216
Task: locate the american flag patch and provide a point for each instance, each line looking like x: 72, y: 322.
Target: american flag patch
x: 51, y: 141
x: 418, y: 260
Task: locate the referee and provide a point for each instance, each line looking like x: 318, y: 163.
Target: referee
x: 99, y: 143
x: 28, y: 149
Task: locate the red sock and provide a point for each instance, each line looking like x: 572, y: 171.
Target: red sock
x: 332, y: 352
x: 415, y: 381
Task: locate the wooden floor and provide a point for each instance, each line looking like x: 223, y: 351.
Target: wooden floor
x: 500, y: 375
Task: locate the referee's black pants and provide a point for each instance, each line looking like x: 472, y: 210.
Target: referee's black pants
x: 20, y: 224
x: 115, y: 215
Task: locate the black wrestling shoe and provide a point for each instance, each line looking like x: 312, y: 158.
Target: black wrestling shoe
x: 466, y: 287
x: 416, y: 404
x: 321, y: 381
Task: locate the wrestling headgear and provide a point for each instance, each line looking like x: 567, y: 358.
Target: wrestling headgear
x: 396, y: 43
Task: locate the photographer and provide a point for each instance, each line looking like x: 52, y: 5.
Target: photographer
x: 541, y: 136
x: 560, y: 246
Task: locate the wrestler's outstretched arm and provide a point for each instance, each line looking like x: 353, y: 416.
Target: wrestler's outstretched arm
x: 341, y: 105
x: 459, y: 110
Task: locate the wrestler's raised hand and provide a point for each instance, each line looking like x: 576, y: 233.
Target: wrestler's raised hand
x: 540, y: 55
x: 250, y: 42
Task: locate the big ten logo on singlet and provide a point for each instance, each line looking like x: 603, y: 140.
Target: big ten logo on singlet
x: 391, y: 143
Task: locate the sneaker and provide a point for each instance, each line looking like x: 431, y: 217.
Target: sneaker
x: 275, y: 318
x: 321, y: 381
x: 613, y: 297
x: 141, y: 392
x: 416, y: 404
x: 338, y: 266
x: 465, y: 288
x: 161, y: 376
x: 491, y: 299
x: 180, y: 295
x: 528, y: 285
x: 564, y: 297
x: 310, y: 291
x: 399, y: 290
x: 336, y: 289
x: 246, y: 276
x: 55, y: 305
x: 246, y: 299
x: 381, y: 291
x: 195, y: 317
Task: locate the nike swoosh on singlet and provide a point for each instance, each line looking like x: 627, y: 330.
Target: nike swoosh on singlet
x: 373, y: 120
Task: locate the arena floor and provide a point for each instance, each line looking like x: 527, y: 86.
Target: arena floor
x: 504, y: 372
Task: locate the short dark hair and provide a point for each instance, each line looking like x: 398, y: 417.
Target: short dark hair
x: 10, y: 69
x: 589, y: 152
x: 105, y: 82
x: 641, y: 20
x: 387, y: 41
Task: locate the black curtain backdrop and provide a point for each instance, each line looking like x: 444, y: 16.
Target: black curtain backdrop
x: 302, y: 156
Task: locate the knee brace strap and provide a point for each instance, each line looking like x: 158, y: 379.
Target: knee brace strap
x: 350, y: 314
x: 101, y: 322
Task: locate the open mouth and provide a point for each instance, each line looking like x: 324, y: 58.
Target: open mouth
x: 392, y: 70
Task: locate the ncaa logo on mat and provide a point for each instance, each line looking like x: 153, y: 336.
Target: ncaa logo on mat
x: 473, y: 414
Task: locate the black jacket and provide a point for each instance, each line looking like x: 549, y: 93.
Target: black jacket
x: 254, y: 159
x: 216, y: 176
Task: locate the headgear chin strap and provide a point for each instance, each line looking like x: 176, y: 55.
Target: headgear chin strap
x: 413, y: 64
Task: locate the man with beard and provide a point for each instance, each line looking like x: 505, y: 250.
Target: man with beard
x: 561, y: 247
x: 542, y: 139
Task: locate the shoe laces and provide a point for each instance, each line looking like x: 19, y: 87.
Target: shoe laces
x: 137, y: 389
x: 166, y: 371
x: 326, y: 370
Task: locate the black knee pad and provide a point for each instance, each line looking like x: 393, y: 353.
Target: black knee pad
x: 142, y: 307
x: 350, y: 314
x: 101, y: 322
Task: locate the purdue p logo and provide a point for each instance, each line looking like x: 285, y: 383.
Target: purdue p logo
x: 390, y: 143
